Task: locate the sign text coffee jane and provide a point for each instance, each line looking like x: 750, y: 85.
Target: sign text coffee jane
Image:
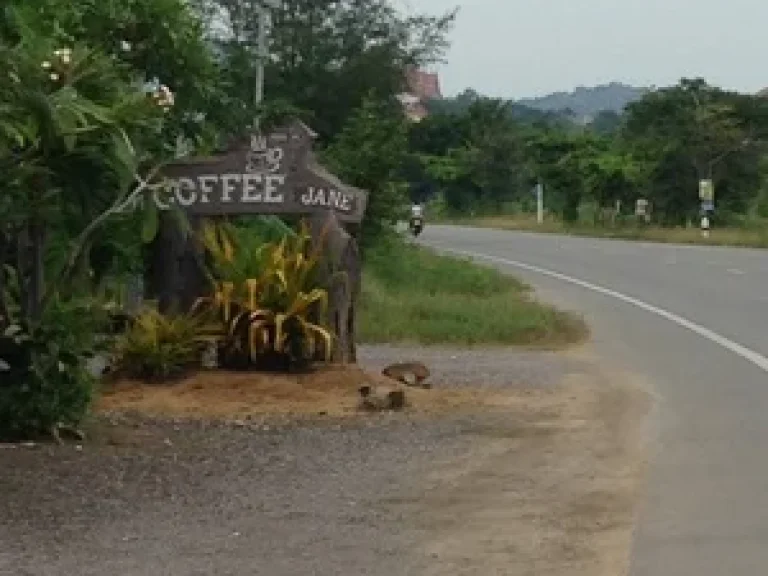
x: 236, y: 193
x: 268, y: 175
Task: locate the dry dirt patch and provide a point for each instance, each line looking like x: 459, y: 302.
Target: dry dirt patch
x: 331, y: 391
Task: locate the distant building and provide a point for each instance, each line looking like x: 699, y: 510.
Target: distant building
x: 421, y: 87
x: 763, y: 93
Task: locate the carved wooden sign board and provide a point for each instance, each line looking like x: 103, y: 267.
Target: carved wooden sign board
x: 272, y: 174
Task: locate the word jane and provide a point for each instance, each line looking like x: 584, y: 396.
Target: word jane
x: 326, y: 198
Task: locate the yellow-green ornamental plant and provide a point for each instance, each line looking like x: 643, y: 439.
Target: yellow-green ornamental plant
x: 158, y: 347
x: 263, y: 294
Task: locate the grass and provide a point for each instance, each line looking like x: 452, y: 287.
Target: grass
x: 413, y: 294
x: 737, y: 237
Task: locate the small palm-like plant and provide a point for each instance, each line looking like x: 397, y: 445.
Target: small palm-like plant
x: 159, y: 347
x: 263, y: 296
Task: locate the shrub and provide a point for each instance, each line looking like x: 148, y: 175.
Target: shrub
x: 264, y: 297
x: 44, y: 377
x: 158, y: 347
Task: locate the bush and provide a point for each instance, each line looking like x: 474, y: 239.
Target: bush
x: 44, y: 377
x: 158, y: 347
x: 44, y: 381
x: 264, y: 297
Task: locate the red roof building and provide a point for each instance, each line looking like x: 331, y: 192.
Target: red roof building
x: 422, y: 86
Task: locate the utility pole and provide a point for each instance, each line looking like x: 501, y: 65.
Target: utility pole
x: 262, y: 51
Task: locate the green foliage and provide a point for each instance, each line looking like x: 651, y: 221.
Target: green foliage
x: 410, y: 294
x: 480, y: 157
x: 394, y: 262
x: 44, y: 377
x: 369, y: 153
x: 264, y: 296
x: 68, y: 132
x: 152, y: 39
x: 158, y: 347
x: 328, y: 57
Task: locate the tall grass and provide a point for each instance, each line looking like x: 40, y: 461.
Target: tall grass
x: 412, y: 294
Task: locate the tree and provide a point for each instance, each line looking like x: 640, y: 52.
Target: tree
x: 690, y: 132
x: 153, y: 40
x: 64, y: 108
x: 326, y: 56
x: 369, y: 154
x: 71, y: 118
x: 475, y: 157
x: 606, y: 123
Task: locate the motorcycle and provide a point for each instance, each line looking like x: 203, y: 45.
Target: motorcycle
x: 416, y: 225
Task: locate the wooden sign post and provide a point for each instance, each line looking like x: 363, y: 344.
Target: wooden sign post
x: 260, y: 174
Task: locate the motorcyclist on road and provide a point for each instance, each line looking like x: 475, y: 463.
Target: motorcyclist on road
x: 417, y: 219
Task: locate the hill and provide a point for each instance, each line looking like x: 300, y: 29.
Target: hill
x: 587, y: 102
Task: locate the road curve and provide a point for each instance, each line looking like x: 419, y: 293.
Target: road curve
x: 693, y: 321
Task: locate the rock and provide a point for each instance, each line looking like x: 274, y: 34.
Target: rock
x: 381, y: 398
x: 210, y: 356
x: 408, y: 373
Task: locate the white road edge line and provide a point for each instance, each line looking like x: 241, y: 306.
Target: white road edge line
x: 748, y: 354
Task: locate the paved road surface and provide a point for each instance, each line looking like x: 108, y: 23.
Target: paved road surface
x: 694, y: 321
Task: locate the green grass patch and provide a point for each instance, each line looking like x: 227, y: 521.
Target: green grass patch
x: 755, y: 237
x: 414, y: 294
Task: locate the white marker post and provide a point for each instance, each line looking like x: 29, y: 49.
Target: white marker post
x: 707, y: 197
x: 540, y: 203
x: 705, y: 226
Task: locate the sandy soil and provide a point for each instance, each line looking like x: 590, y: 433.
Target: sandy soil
x: 246, y: 397
x: 536, y: 469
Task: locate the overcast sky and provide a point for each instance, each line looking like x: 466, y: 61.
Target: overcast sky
x: 518, y: 48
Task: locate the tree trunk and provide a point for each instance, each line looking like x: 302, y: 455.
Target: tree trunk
x: 338, y: 273
x: 174, y: 267
x: 6, y: 250
x: 22, y: 271
x: 37, y: 269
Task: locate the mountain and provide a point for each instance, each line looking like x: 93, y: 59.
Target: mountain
x: 460, y: 103
x: 587, y: 102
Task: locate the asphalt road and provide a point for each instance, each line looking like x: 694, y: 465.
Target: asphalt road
x: 692, y: 321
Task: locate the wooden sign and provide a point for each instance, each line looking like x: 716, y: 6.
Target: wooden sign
x: 272, y: 174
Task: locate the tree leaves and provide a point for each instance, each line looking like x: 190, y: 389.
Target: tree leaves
x: 481, y: 152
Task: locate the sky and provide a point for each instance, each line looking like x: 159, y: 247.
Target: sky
x: 521, y: 48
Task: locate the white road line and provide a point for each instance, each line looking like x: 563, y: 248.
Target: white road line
x: 748, y: 354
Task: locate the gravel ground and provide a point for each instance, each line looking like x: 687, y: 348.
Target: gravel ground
x: 483, y: 367
x: 333, y: 498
